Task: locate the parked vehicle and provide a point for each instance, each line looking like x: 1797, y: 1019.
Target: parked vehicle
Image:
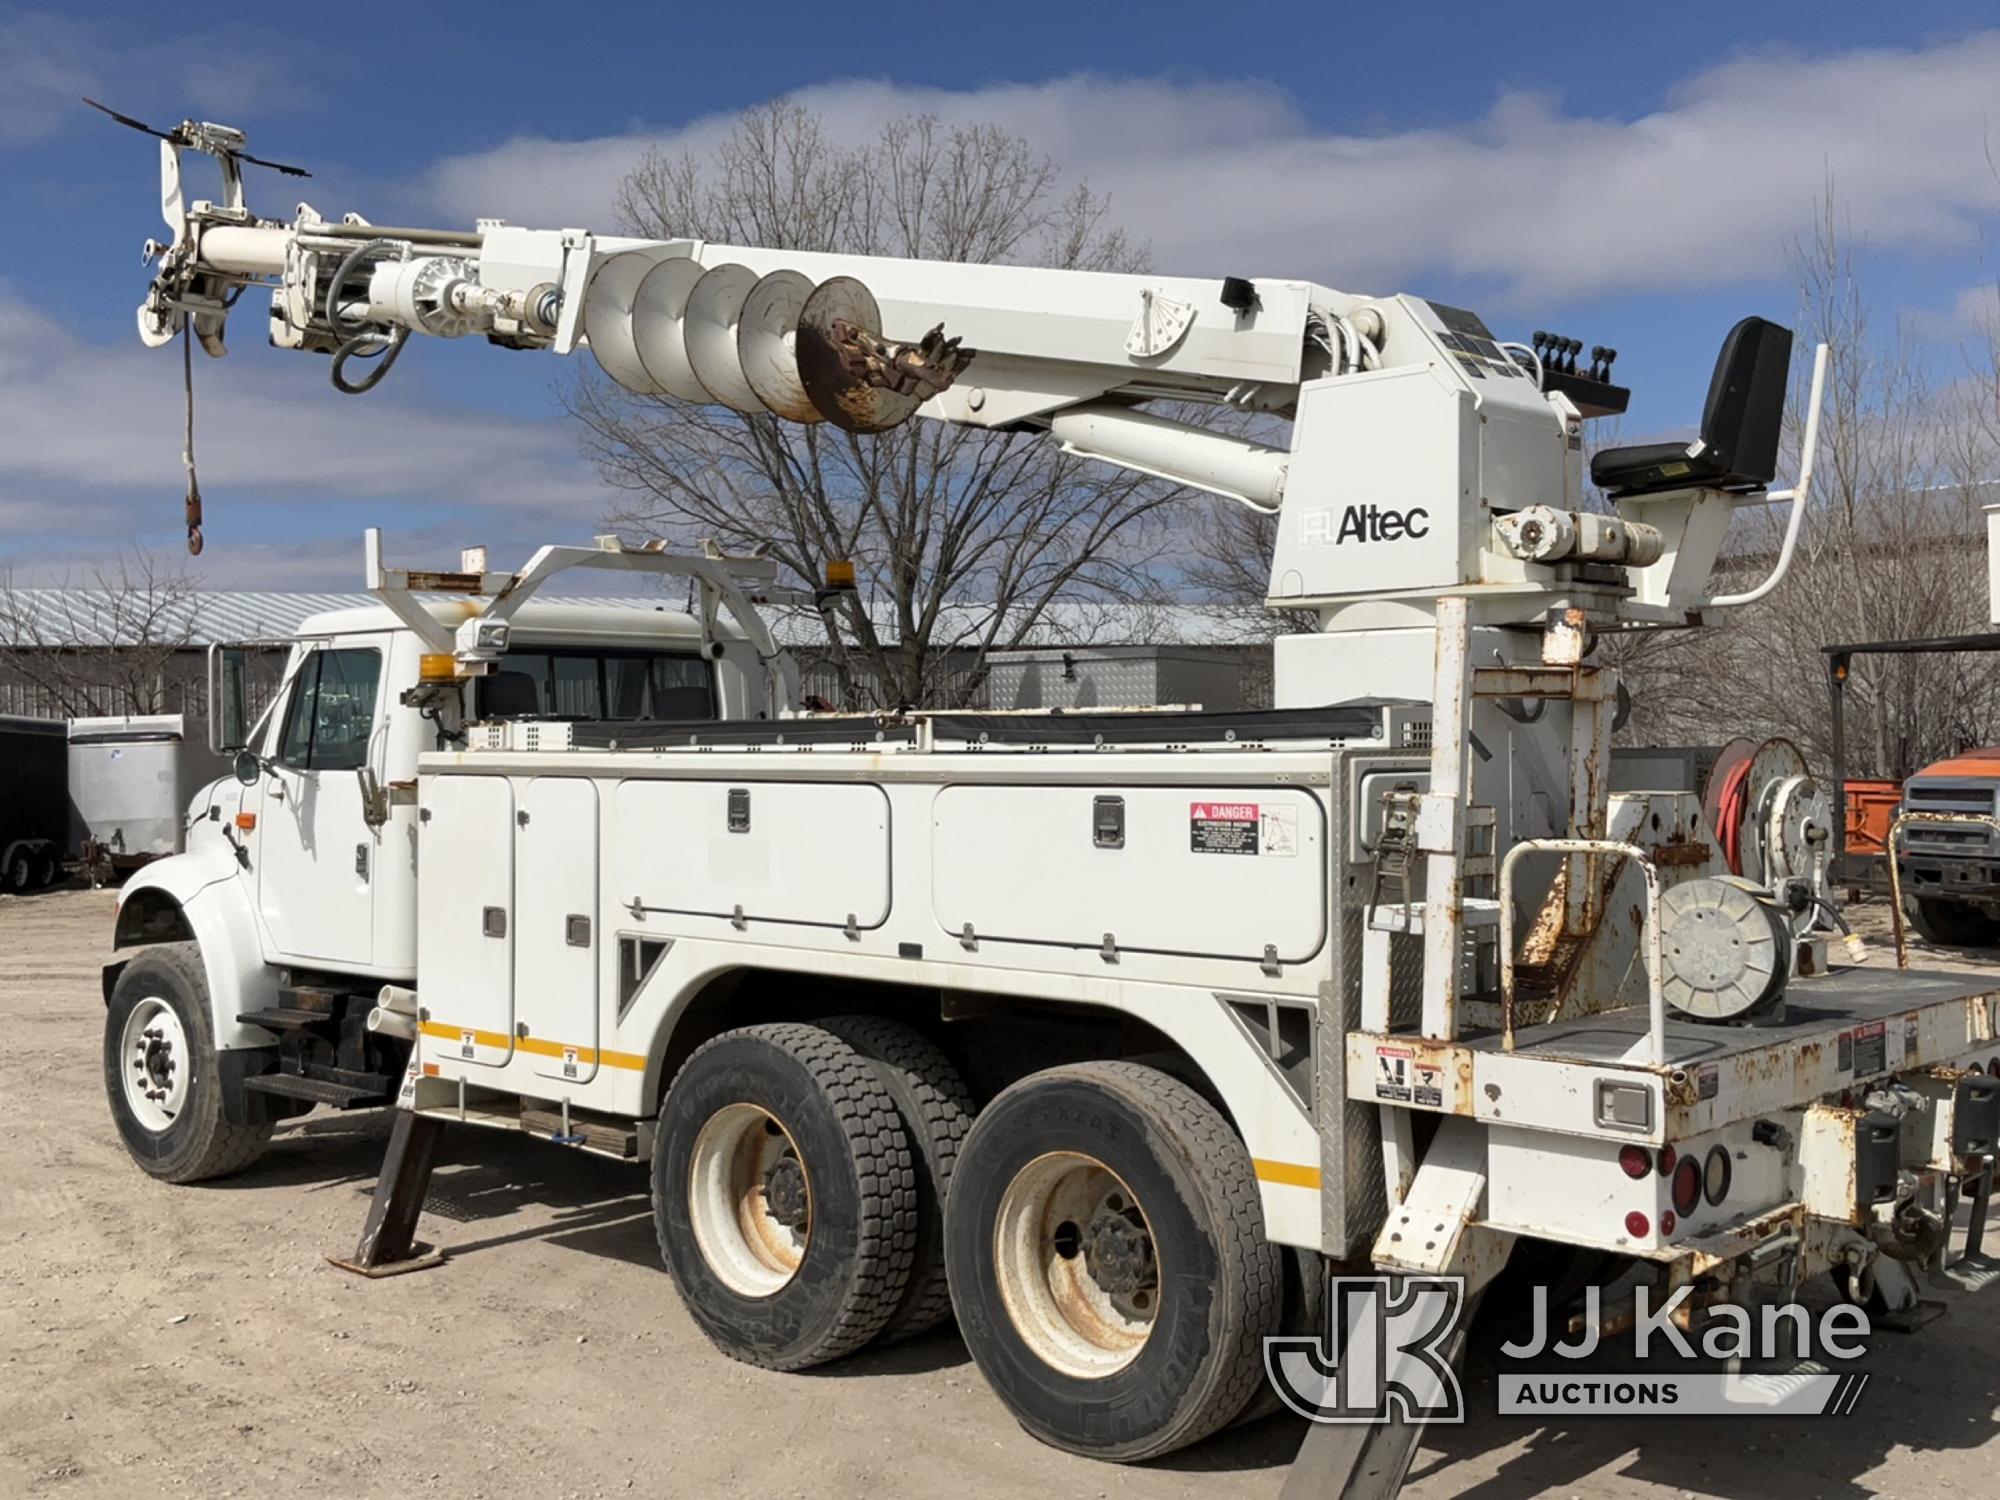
x: 131, y: 779
x: 34, y: 802
x: 1948, y: 850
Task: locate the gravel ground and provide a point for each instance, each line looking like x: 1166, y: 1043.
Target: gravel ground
x: 195, y: 1340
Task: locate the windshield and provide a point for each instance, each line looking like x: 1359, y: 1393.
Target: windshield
x: 590, y: 685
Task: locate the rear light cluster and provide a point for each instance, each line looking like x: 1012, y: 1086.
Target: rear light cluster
x: 1692, y: 1181
x: 1687, y: 1186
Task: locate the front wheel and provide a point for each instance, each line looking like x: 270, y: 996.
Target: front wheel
x: 1948, y: 924
x: 1105, y: 1241
x: 160, y: 1071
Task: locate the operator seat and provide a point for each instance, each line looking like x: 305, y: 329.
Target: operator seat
x: 510, y: 695
x: 1738, y: 446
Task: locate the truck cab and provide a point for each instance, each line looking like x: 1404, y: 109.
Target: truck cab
x: 1948, y: 849
x: 248, y: 971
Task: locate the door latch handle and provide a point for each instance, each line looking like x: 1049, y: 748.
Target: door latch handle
x: 361, y: 860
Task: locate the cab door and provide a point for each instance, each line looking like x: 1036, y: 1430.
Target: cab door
x: 315, y: 853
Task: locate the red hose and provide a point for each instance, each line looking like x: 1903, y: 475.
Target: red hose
x: 1729, y: 816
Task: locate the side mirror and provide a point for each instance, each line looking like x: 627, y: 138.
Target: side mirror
x: 248, y: 768
x: 228, y: 698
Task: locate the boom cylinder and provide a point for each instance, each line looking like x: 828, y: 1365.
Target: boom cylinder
x: 1186, y: 454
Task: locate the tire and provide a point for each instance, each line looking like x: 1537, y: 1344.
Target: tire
x: 794, y: 1247
x: 20, y: 872
x: 1303, y: 1316
x: 1061, y: 1170
x: 1948, y: 924
x: 936, y: 1109
x: 48, y: 870
x: 183, y: 1136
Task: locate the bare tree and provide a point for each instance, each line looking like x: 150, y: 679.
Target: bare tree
x: 1893, y: 548
x: 102, y: 643
x: 963, y: 539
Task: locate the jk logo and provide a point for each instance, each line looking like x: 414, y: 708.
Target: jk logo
x: 1383, y: 1354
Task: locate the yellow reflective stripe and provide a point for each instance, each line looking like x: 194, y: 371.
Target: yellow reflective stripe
x: 534, y: 1045
x: 1288, y: 1173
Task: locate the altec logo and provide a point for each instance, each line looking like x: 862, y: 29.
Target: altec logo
x: 1363, y: 523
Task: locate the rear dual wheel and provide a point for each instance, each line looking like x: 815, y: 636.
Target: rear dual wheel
x: 1108, y: 1263
x: 785, y: 1195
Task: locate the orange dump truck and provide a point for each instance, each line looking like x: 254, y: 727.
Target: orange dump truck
x: 1950, y: 869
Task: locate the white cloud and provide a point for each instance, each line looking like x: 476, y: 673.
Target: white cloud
x: 94, y: 441
x: 1545, y: 203
x: 52, y: 61
x: 46, y: 73
x: 111, y: 417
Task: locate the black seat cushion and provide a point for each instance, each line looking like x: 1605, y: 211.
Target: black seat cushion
x: 1654, y: 466
x: 1738, y: 445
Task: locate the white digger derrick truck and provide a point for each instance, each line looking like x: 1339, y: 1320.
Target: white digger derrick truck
x: 1110, y: 1033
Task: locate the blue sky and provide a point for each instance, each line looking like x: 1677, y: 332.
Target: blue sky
x: 1629, y: 181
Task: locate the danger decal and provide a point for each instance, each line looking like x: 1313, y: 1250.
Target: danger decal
x: 1243, y: 828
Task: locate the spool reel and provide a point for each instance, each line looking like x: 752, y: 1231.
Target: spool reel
x: 662, y: 324
x: 1726, y: 949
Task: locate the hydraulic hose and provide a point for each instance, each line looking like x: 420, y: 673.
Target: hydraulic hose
x: 360, y: 341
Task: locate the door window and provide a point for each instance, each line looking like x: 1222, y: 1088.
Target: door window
x: 332, y: 712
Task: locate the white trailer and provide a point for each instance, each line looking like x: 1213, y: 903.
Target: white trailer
x: 131, y: 778
x: 1114, y: 1032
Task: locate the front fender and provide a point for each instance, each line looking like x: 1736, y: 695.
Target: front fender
x: 197, y: 897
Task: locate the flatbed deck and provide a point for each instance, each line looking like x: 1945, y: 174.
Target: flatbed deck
x: 1827, y: 1005
x: 1840, y: 1031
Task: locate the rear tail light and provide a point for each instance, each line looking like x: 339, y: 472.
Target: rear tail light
x: 1638, y: 1225
x: 1636, y: 1161
x: 1668, y: 1156
x: 1715, y: 1175
x: 1687, y: 1186
x: 1667, y: 1222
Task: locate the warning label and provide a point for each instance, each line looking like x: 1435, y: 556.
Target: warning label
x: 1870, y: 1048
x: 1223, y: 827
x: 1392, y: 1074
x: 1429, y: 1085
x: 1278, y: 831
x: 1243, y: 828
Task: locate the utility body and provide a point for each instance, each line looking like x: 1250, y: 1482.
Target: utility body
x: 1107, y: 1032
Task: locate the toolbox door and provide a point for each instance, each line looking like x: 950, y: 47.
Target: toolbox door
x: 555, y: 941
x: 1205, y: 871
x: 465, y: 919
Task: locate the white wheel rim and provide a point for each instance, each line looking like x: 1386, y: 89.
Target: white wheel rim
x: 155, y: 1063
x: 1078, y: 1269
x: 749, y: 1200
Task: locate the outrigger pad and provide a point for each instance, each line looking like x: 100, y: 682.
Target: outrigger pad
x: 422, y: 1257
